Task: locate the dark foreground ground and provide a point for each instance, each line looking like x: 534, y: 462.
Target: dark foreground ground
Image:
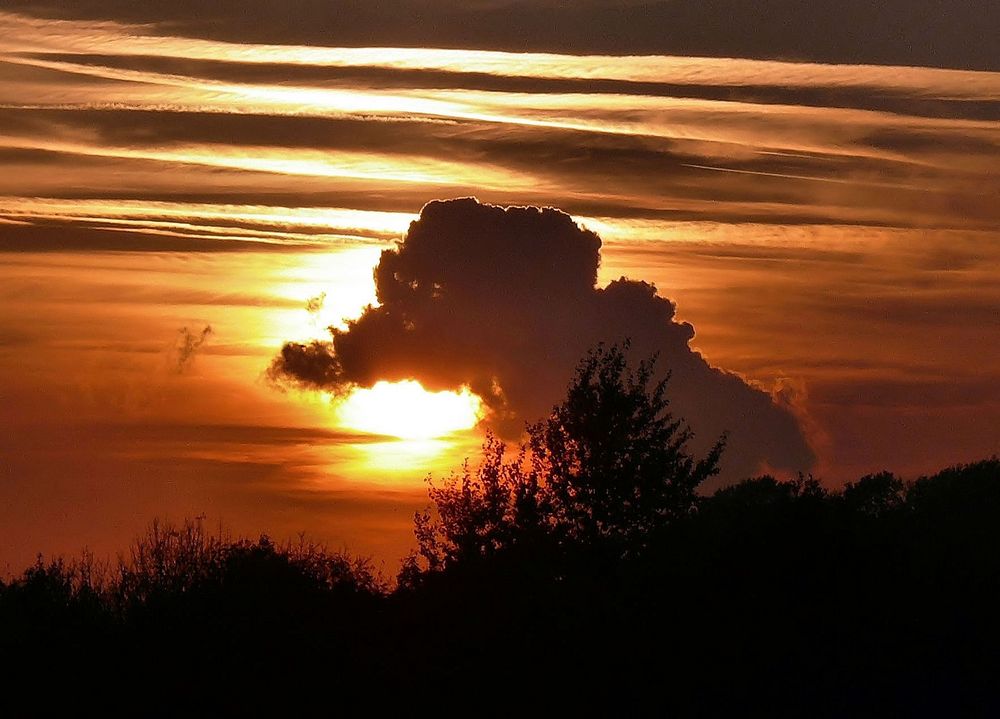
x: 771, y: 599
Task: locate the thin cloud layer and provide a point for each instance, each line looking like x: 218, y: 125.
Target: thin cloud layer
x: 128, y: 117
x: 956, y: 34
x: 505, y: 300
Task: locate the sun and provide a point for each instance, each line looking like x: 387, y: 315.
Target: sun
x: 408, y: 411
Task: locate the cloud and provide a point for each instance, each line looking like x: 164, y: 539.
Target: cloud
x: 187, y: 346
x: 77, y: 236
x: 926, y: 93
x: 505, y: 300
x: 904, y: 32
x: 315, y: 304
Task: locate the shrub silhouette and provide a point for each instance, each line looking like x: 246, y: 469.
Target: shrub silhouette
x: 176, y: 561
x: 187, y: 614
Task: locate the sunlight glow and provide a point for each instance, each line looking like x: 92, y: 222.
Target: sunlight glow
x: 325, y: 290
x: 408, y: 411
x: 388, y: 462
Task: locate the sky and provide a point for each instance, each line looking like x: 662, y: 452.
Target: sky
x: 804, y: 200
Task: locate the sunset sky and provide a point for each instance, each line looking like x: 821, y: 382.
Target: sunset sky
x: 187, y: 186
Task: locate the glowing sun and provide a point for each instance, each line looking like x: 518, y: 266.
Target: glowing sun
x: 408, y: 411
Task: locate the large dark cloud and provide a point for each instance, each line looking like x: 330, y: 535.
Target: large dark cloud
x: 505, y: 300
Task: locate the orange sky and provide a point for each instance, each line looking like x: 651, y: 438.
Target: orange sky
x: 832, y: 231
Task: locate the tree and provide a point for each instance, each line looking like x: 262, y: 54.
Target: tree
x: 614, y: 459
x: 480, y: 514
x: 874, y: 495
x: 608, y: 466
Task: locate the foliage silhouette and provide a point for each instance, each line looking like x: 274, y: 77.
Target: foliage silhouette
x: 189, y: 614
x: 875, y: 495
x: 479, y: 514
x: 608, y: 467
x: 613, y: 457
x: 578, y: 574
x: 773, y: 597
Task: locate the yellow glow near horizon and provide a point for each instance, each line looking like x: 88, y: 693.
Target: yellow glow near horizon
x: 408, y: 411
x: 388, y: 462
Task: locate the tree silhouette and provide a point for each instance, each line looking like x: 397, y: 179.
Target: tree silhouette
x: 613, y: 458
x: 775, y: 597
x: 480, y: 514
x: 875, y: 494
x: 608, y: 466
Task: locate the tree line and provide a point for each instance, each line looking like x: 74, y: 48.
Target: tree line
x: 579, y: 573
